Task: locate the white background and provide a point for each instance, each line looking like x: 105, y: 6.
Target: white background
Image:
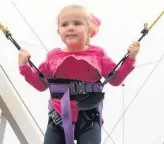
x: 122, y: 22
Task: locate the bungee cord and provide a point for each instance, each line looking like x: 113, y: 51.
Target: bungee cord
x: 145, y: 32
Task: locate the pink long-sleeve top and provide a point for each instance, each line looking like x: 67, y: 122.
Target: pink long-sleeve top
x: 89, y: 65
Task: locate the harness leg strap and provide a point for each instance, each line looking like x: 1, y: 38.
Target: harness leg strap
x: 66, y: 117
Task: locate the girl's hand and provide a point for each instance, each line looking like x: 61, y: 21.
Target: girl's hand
x: 134, y: 49
x: 23, y: 57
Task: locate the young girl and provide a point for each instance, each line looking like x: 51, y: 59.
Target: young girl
x: 78, y: 62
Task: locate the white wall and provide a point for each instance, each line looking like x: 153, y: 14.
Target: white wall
x: 122, y: 22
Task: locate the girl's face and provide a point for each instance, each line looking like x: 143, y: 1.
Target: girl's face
x: 73, y: 27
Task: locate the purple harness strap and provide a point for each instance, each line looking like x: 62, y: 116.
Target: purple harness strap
x: 66, y: 112
x: 66, y: 117
x: 62, y: 88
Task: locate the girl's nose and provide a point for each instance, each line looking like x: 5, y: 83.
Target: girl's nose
x: 70, y: 28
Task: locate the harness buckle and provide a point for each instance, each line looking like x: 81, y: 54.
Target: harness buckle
x: 77, y: 88
x: 57, y: 119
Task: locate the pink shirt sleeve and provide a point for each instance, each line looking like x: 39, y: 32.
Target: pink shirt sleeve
x: 31, y: 76
x: 121, y: 73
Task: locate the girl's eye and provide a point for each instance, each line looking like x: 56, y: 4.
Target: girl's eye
x: 77, y: 23
x: 64, y: 24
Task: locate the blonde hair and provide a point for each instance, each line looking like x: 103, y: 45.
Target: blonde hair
x: 88, y: 17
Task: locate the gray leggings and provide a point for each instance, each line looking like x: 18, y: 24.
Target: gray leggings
x: 55, y: 135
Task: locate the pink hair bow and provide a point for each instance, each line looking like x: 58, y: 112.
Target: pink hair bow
x: 95, y: 24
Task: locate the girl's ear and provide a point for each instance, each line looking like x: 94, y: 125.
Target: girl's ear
x: 90, y: 31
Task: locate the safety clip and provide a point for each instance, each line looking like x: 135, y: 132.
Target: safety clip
x: 145, y: 30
